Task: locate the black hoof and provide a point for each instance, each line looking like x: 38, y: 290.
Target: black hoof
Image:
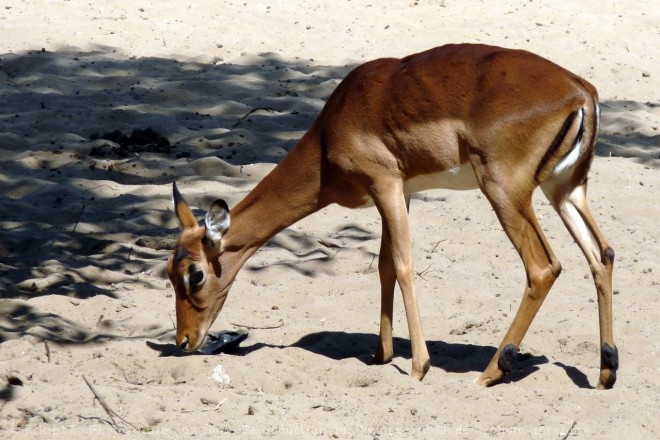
x: 507, y: 359
x: 609, y: 357
x: 609, y: 363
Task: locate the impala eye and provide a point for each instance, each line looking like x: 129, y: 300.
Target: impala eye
x: 196, y: 276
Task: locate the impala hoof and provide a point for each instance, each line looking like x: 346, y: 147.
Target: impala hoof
x: 487, y: 379
x: 381, y: 358
x: 507, y: 360
x: 420, y: 371
x: 609, y: 363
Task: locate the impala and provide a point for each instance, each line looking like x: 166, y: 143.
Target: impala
x: 458, y: 117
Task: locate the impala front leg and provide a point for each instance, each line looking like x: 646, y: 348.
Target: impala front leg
x: 385, y: 349
x: 392, y: 206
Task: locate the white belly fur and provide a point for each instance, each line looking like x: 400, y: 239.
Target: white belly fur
x: 457, y: 178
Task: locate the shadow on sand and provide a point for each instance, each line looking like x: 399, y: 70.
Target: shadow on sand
x: 450, y: 357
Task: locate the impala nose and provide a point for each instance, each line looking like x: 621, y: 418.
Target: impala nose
x: 184, y: 343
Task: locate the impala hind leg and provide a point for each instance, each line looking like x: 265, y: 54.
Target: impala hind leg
x: 576, y: 216
x: 542, y: 269
x: 385, y: 349
x: 391, y: 203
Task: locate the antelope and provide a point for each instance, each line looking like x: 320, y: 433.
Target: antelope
x: 458, y: 117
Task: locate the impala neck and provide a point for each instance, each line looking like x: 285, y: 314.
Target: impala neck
x: 290, y: 192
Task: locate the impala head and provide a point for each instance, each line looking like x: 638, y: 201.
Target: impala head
x: 195, y: 271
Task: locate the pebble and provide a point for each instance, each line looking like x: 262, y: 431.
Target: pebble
x: 206, y: 401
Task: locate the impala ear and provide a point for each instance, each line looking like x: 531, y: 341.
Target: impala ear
x: 217, y: 222
x: 182, y: 210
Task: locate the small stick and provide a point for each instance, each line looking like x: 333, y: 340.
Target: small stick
x: 217, y: 407
x: 328, y: 244
x: 250, y: 112
x: 108, y: 410
x: 569, y: 430
x: 436, y: 245
x: 267, y: 327
x: 265, y: 401
x: 370, y: 264
x: 47, y: 350
x: 79, y: 214
x: 422, y: 273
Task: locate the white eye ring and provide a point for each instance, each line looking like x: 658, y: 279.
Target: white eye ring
x: 196, y: 282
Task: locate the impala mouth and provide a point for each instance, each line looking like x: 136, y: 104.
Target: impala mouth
x: 194, y: 345
x: 188, y: 347
x: 183, y: 345
x: 201, y: 342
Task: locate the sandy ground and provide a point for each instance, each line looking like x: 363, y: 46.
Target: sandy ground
x: 86, y: 227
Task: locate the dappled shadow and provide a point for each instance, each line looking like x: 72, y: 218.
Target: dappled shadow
x: 630, y: 129
x: 19, y: 318
x: 310, y: 256
x: 71, y: 223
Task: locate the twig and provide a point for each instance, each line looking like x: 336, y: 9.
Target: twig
x: 328, y: 244
x: 370, y: 264
x: 435, y: 246
x: 109, y: 410
x: 79, y: 214
x: 421, y: 274
x: 266, y: 327
x: 265, y: 401
x: 250, y: 112
x: 47, y: 350
x: 126, y: 378
x: 215, y: 408
x: 569, y: 430
x: 100, y: 419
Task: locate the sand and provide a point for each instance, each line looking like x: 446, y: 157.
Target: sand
x: 86, y: 227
